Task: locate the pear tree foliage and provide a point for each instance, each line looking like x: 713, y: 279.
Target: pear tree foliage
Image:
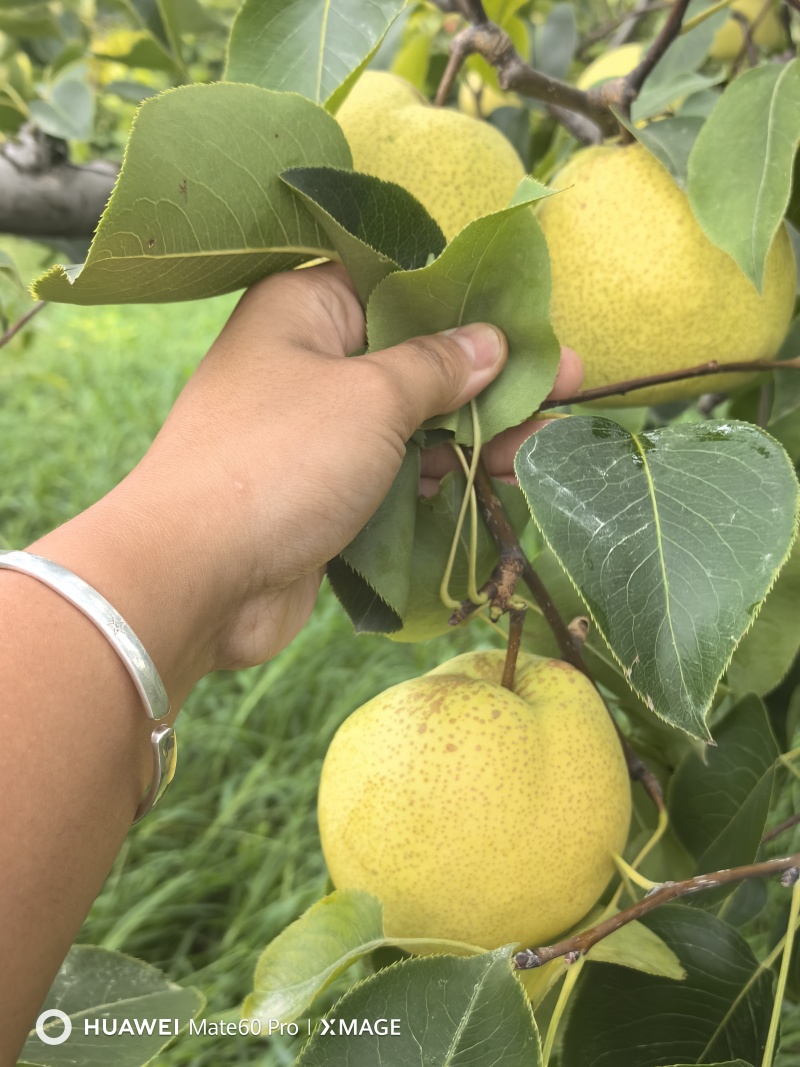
x: 671, y: 526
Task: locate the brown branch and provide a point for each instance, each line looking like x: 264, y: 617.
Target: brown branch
x: 579, y: 945
x: 699, y: 371
x: 599, y: 33
x: 21, y: 323
x: 486, y: 39
x: 511, y: 554
x: 781, y: 828
x: 633, y: 82
x: 516, y: 620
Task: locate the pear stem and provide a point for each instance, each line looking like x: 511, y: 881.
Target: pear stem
x: 513, y: 565
x: 516, y: 620
x: 698, y: 371
x: 579, y: 945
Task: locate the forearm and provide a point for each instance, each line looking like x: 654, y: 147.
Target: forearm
x: 75, y: 756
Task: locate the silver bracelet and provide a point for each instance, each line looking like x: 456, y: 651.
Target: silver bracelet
x: 129, y: 649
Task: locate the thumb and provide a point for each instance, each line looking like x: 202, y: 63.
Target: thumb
x: 433, y: 375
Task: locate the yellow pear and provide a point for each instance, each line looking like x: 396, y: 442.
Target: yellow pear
x: 614, y: 64
x: 459, y: 167
x: 729, y: 38
x: 638, y: 289
x: 475, y: 813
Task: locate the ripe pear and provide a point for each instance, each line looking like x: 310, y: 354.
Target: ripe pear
x: 458, y: 167
x: 639, y: 289
x: 475, y: 813
x: 614, y: 64
x: 729, y: 38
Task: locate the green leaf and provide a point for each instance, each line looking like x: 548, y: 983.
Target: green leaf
x: 670, y: 141
x: 768, y: 649
x: 718, y: 805
x: 97, y: 986
x: 309, y: 47
x: 656, y: 97
x: 639, y: 948
x: 68, y: 111
x: 672, y: 537
x: 459, y: 1012
x: 555, y: 42
x: 388, y: 578
x: 373, y: 574
x: 786, y: 398
x: 311, y: 952
x: 720, y: 1010
x: 740, y: 169
x: 200, y: 210
x: 495, y: 270
x: 674, y: 77
x: 376, y: 227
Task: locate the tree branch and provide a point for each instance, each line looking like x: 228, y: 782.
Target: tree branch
x: 44, y: 195
x: 699, y: 371
x: 781, y: 828
x: 515, y: 564
x: 22, y: 322
x: 486, y: 39
x: 633, y: 82
x: 579, y: 945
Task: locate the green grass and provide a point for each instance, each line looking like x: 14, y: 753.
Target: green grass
x: 232, y: 854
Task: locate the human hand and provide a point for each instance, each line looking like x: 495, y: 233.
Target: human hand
x: 283, y: 449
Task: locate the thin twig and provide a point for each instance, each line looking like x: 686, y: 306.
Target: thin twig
x: 699, y: 371
x: 748, y: 50
x: 516, y: 620
x: 579, y: 945
x: 511, y: 554
x: 599, y: 33
x: 20, y: 324
x: 781, y: 828
x: 633, y: 82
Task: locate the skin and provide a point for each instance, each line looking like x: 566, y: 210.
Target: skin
x: 274, y: 456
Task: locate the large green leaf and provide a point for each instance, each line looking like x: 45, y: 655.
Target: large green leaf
x: 673, y: 538
x: 448, y: 1011
x: 768, y: 649
x: 376, y: 227
x: 102, y: 988
x: 740, y: 169
x: 199, y: 208
x: 306, y: 957
x: 309, y: 47
x: 718, y: 806
x: 495, y: 270
x: 311, y: 952
x: 721, y: 1010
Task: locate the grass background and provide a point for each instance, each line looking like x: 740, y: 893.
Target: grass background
x: 232, y: 854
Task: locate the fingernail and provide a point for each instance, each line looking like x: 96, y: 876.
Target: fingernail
x: 483, y: 343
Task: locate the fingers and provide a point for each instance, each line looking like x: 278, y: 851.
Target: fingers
x: 315, y: 308
x: 569, y: 377
x: 433, y: 375
x: 499, y: 453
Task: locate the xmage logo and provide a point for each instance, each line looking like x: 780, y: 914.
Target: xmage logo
x: 50, y: 1038
x: 359, y: 1027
